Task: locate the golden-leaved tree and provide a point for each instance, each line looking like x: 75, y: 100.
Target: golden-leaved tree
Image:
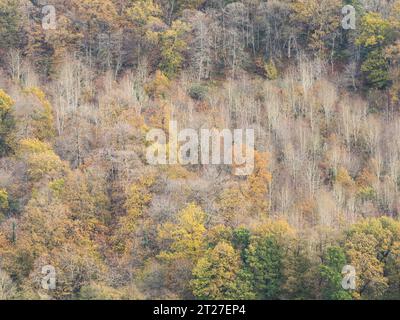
x: 184, y: 243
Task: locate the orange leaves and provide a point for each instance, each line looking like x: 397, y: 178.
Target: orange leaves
x: 43, y: 120
x: 258, y: 183
x: 159, y: 86
x: 138, y: 198
x: 97, y: 11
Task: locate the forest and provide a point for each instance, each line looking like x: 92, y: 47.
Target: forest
x: 83, y: 81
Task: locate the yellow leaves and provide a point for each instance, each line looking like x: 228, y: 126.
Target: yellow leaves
x: 395, y: 15
x: 159, y: 86
x: 172, y: 43
x: 233, y: 206
x: 374, y: 30
x: 369, y: 244
x: 259, y: 181
x: 143, y: 12
x: 343, y: 178
x: 138, y: 198
x: 43, y: 163
x: 230, y: 199
x: 172, y: 47
x: 270, y: 70
x: 278, y: 228
x: 42, y: 119
x: 184, y: 243
x: 186, y: 235
x: 48, y: 233
x: 385, y: 230
x: 8, y: 289
x: 57, y: 186
x: 345, y: 181
x: 319, y: 19
x: 6, y: 102
x: 38, y: 93
x: 362, y: 255
x: 392, y: 53
x: 40, y: 158
x: 97, y: 11
x: 7, y: 124
x: 3, y: 202
x: 261, y: 177
x: 305, y: 8
x: 192, y: 218
x: 145, y: 16
x: 100, y: 291
x: 373, y: 40
x: 135, y: 120
x: 161, y: 117
x: 216, y: 272
x: 33, y: 146
x: 308, y: 210
x: 3, y: 199
x: 247, y: 198
x: 366, y: 178
x: 176, y: 172
x: 65, y: 38
x: 77, y: 264
x: 218, y: 233
x: 44, y: 226
x: 85, y: 198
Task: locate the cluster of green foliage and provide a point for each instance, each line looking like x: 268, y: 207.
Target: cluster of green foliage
x: 266, y: 264
x: 7, y: 124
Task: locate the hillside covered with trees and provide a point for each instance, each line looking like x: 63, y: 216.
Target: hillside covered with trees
x: 76, y: 192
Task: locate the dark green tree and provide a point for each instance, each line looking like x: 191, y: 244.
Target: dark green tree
x: 10, y: 24
x: 7, y: 124
x: 264, y: 260
x: 331, y: 275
